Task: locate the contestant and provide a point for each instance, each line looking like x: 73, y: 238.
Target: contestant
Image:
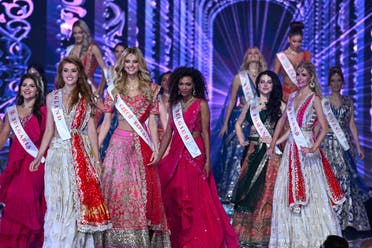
x: 339, y: 151
x: 226, y: 161
x: 130, y: 186
x: 287, y: 61
x: 22, y: 191
x: 305, y: 188
x: 38, y: 71
x: 195, y: 214
x: 75, y: 206
x: 164, y: 101
x: 253, y: 196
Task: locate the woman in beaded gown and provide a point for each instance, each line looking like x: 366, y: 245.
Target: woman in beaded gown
x: 253, y: 195
x: 227, y: 152
x: 340, y: 154
x: 130, y: 186
x: 305, y: 187
x: 22, y: 190
x: 75, y: 206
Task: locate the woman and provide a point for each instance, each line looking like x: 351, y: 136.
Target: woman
x: 88, y: 52
x: 194, y: 213
x: 163, y: 101
x: 339, y: 151
x: 288, y: 60
x: 253, y: 196
x: 38, y: 71
x: 22, y: 191
x: 305, y: 188
x: 75, y: 206
x: 226, y: 162
x: 130, y: 187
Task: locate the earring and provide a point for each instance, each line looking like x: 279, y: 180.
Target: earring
x: 312, y: 84
x: 193, y: 92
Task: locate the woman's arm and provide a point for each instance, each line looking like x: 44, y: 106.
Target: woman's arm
x: 92, y: 135
x: 205, y: 125
x: 238, y: 126
x: 104, y: 128
x: 4, y: 132
x: 98, y: 55
x: 234, y: 92
x: 153, y: 127
x: 278, y: 130
x: 354, y: 132
x: 163, y: 114
x: 47, y: 137
x: 164, y: 143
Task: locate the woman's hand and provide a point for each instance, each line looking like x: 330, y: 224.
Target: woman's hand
x: 243, y: 142
x: 269, y: 152
x: 266, y: 139
x: 223, y: 130
x: 360, y: 153
x: 155, y: 158
x: 307, y: 150
x: 207, y: 169
x: 34, y: 165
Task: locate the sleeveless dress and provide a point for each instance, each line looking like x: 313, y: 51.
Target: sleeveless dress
x: 253, y: 196
x: 23, y: 191
x: 352, y: 212
x: 305, y: 190
x: 194, y: 212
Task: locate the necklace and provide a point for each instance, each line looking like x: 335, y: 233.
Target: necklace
x: 291, y: 51
x: 185, y: 104
x: 132, y: 87
x: 26, y: 107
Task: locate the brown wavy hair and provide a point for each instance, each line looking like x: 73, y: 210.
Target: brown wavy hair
x: 144, y: 78
x: 82, y: 88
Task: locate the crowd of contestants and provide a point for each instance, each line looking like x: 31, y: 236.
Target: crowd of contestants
x: 125, y: 162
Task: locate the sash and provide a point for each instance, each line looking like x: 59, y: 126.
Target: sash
x: 288, y: 67
x: 59, y: 118
x: 247, y: 86
x: 258, y: 124
x: 297, y: 134
x: 109, y: 75
x: 131, y: 118
x: 21, y: 134
x: 333, y: 123
x: 184, y: 131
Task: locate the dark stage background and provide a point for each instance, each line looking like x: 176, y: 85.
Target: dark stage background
x: 209, y: 35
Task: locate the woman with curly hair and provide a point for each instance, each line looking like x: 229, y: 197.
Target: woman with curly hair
x: 226, y: 159
x: 195, y: 214
x: 22, y: 191
x: 130, y: 186
x: 253, y: 196
x: 75, y: 206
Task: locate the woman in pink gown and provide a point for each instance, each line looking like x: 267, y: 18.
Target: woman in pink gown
x: 194, y: 212
x: 21, y: 190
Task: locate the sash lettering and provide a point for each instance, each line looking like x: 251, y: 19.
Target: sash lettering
x: 58, y: 115
x: 333, y: 123
x: 296, y: 131
x: 258, y: 124
x: 248, y: 87
x: 131, y: 118
x: 21, y: 134
x: 288, y: 67
x: 184, y: 131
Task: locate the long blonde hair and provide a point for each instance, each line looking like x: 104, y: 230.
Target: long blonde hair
x: 310, y: 68
x: 87, y: 38
x: 262, y: 62
x: 144, y: 78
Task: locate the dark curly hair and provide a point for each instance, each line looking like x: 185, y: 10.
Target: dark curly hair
x: 197, y: 78
x: 296, y: 28
x: 276, y: 95
x: 39, y: 101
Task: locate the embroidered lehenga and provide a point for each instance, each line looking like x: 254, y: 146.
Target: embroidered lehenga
x: 23, y: 192
x: 352, y: 212
x: 75, y: 206
x: 194, y: 212
x: 253, y: 196
x: 130, y: 187
x: 305, y: 190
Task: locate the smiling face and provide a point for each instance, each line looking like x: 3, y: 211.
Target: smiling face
x: 70, y: 74
x: 78, y: 34
x: 303, y: 77
x: 265, y: 85
x: 131, y: 64
x: 295, y: 42
x: 28, y: 89
x: 185, y: 86
x: 336, y: 83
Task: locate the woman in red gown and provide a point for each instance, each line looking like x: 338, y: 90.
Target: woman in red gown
x: 22, y: 191
x: 194, y: 212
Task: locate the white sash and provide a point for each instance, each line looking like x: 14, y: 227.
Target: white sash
x: 247, y: 86
x: 333, y: 123
x: 59, y: 118
x: 131, y: 118
x: 21, y: 134
x: 288, y: 67
x: 258, y: 124
x: 296, y: 131
x: 184, y: 131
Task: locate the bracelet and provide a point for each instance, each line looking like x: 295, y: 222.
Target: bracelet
x: 97, y: 162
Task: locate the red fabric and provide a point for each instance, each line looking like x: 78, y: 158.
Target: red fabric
x: 23, y: 193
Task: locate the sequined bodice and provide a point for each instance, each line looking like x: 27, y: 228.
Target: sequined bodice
x: 343, y: 112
